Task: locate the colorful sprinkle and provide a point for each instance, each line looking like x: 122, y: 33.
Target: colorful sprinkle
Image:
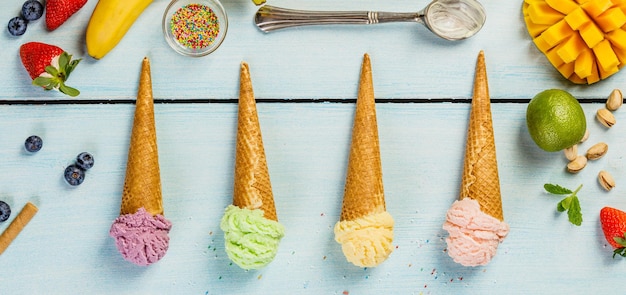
x: 195, y: 26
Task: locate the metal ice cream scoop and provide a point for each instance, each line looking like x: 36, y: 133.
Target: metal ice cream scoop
x: 448, y: 19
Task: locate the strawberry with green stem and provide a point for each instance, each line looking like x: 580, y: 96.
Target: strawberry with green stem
x: 613, y: 223
x: 49, y: 66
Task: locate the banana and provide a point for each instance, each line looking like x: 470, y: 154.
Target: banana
x: 109, y: 22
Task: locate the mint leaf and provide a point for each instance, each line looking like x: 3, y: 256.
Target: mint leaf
x: 563, y: 205
x: 574, y: 213
x: 571, y: 204
x: 556, y: 189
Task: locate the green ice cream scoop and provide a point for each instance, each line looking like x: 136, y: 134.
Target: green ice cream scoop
x: 251, y: 240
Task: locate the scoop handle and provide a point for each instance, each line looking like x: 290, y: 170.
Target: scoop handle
x: 269, y: 18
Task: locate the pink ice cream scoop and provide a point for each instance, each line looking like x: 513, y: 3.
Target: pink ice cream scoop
x: 140, y: 237
x: 474, y: 235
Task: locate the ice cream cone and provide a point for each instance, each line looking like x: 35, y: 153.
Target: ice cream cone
x: 363, y: 194
x: 142, y: 186
x: 480, y: 172
x: 253, y: 189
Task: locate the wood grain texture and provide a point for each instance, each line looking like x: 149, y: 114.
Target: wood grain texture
x: 302, y: 63
x: 66, y: 249
x: 66, y: 246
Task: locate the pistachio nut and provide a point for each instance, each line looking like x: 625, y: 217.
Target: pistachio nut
x: 606, y: 180
x: 571, y: 152
x: 585, y: 137
x: 615, y: 100
x: 577, y: 164
x: 605, y: 117
x: 597, y: 151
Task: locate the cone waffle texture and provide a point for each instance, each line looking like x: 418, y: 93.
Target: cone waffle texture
x: 253, y: 189
x: 480, y: 172
x: 363, y: 194
x: 142, y: 186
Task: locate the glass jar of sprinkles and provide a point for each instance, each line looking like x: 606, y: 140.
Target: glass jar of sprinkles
x: 195, y: 27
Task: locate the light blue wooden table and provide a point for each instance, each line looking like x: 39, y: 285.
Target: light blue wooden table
x: 302, y: 78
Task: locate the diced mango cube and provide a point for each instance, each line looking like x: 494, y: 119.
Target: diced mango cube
x: 605, y: 74
x: 535, y: 30
x: 557, y: 32
x: 566, y: 69
x: 571, y: 48
x: 541, y: 13
x: 621, y: 55
x: 584, y: 62
x: 577, y: 18
x: 541, y: 44
x: 591, y: 34
x: 553, y: 57
x: 617, y: 38
x: 596, y: 7
x: 595, y: 76
x: 563, y: 6
x: 611, y: 19
x: 605, y: 56
x: 576, y: 80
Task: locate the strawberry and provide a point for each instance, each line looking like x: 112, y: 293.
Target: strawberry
x: 58, y: 11
x: 614, y: 227
x: 49, y: 66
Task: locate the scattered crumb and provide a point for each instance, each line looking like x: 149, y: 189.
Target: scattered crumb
x: 410, y: 264
x: 259, y: 277
x: 324, y: 258
x: 210, y: 233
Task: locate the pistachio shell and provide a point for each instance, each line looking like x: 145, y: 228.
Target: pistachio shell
x: 615, y: 100
x: 597, y: 151
x: 578, y: 164
x: 606, y: 180
x: 605, y: 117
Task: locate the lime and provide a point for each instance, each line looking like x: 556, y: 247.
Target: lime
x: 555, y: 120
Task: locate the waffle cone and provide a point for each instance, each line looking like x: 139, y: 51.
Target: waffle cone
x: 142, y: 186
x: 363, y: 194
x: 253, y: 189
x: 480, y: 170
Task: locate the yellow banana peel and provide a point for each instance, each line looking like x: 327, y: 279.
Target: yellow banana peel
x: 109, y: 22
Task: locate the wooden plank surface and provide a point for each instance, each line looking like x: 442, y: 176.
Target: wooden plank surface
x: 302, y: 63
x: 66, y: 248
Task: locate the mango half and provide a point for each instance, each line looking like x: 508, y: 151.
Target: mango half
x: 585, y: 40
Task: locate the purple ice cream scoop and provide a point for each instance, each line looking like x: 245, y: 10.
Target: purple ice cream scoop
x: 140, y: 237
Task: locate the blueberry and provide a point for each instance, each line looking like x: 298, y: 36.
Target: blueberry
x: 5, y: 211
x: 33, y: 143
x: 17, y: 26
x: 84, y: 160
x: 32, y: 10
x: 74, y: 175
